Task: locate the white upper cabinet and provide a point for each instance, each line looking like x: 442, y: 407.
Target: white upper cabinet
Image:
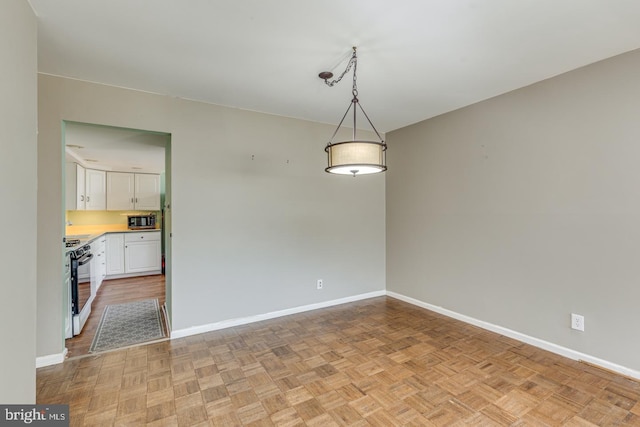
x: 120, y: 191
x: 74, y: 187
x: 147, y: 197
x: 80, y: 188
x: 90, y: 189
x: 85, y: 188
x: 127, y: 191
x: 96, y: 190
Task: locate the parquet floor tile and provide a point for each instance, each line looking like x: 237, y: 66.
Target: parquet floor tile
x: 378, y: 362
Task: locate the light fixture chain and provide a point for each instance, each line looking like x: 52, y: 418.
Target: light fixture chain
x: 353, y: 61
x: 354, y: 90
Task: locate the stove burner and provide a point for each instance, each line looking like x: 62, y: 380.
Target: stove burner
x: 71, y: 242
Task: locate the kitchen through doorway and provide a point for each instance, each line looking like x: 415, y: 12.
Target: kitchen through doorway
x: 102, y: 193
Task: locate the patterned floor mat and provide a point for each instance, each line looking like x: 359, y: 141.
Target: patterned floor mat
x: 127, y: 324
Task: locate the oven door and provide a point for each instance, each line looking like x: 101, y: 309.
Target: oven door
x: 84, y: 269
x: 84, y: 280
x: 68, y: 312
x: 80, y: 292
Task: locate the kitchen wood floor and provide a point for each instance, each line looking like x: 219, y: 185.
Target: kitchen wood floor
x: 116, y: 291
x: 378, y: 362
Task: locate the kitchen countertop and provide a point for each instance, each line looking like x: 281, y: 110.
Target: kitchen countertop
x: 89, y: 233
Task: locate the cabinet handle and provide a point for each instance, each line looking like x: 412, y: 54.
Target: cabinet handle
x: 136, y: 200
x: 132, y: 200
x: 82, y: 197
x: 87, y: 198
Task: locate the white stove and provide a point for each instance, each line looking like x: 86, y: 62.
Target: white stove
x: 69, y: 243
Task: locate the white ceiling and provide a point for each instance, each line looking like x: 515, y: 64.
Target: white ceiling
x: 115, y: 149
x: 417, y: 58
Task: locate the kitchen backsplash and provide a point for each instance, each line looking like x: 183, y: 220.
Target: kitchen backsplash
x: 100, y: 217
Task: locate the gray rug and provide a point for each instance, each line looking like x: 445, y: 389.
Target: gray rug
x: 127, y: 324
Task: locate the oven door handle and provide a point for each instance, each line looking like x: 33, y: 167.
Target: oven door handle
x: 85, y: 259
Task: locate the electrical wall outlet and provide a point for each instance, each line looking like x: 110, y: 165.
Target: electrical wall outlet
x: 319, y: 284
x: 577, y: 322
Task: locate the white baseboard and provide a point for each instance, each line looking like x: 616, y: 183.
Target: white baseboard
x: 54, y: 359
x: 51, y: 359
x: 536, y: 342
x: 179, y: 333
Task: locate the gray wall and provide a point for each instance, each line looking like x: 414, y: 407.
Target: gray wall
x: 18, y: 172
x: 524, y: 208
x: 255, y: 218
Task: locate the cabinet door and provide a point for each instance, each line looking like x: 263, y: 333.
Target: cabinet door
x: 101, y: 264
x: 142, y: 252
x: 95, y: 265
x: 74, y: 187
x: 96, y: 186
x: 80, y: 188
x: 120, y: 191
x: 114, y: 253
x: 147, y: 189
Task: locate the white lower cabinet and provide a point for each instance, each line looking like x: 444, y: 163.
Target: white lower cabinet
x: 133, y: 253
x: 98, y: 263
x: 142, y: 252
x: 115, y: 254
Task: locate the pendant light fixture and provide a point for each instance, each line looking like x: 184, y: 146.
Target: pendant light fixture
x: 357, y: 156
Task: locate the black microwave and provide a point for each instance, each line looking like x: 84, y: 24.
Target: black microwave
x: 138, y: 222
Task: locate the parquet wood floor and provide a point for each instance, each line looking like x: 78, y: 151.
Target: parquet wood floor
x: 378, y: 362
x: 115, y: 291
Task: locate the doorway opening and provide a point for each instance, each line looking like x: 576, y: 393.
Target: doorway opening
x: 117, y: 208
